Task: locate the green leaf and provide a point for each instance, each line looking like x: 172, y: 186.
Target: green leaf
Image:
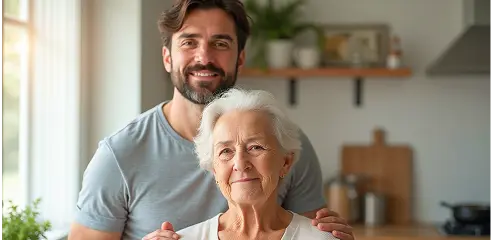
x: 23, y: 224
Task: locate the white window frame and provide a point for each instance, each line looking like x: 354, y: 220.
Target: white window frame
x: 55, y: 110
x: 51, y: 148
x: 23, y: 101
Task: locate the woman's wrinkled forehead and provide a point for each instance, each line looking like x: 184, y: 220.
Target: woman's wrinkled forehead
x: 245, y: 125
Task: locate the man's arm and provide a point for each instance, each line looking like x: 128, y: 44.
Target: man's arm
x: 101, y: 206
x: 78, y: 231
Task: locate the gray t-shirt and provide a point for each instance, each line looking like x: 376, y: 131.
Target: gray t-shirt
x: 146, y: 174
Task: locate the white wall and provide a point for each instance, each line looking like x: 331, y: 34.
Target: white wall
x: 114, y: 65
x: 446, y: 120
x: 155, y: 86
x: 123, y: 61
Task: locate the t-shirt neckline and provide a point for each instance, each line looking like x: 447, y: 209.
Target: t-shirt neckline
x: 287, y: 235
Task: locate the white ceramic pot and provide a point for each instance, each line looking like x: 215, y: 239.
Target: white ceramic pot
x: 279, y: 53
x: 306, y: 57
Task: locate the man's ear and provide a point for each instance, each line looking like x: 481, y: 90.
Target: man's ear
x: 241, y: 61
x: 166, y: 57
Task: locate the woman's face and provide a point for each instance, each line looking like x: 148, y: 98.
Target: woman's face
x: 247, y: 158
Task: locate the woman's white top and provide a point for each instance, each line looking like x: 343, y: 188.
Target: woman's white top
x: 299, y: 228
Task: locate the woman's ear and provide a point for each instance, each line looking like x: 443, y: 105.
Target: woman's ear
x: 287, y: 164
x: 214, y: 175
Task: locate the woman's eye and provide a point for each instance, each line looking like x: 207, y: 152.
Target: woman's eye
x: 225, y: 151
x: 256, y: 147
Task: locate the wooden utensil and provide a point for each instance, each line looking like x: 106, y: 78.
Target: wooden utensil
x: 388, y: 170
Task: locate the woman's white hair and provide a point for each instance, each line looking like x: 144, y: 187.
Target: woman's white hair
x: 286, y: 131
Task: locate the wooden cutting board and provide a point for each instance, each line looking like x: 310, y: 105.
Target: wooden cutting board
x: 389, y: 170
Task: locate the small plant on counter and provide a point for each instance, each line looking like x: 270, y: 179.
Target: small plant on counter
x: 22, y: 224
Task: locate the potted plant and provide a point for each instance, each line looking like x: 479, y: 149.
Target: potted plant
x: 273, y: 28
x: 22, y: 224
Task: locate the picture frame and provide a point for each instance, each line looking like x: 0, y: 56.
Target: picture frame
x: 356, y: 44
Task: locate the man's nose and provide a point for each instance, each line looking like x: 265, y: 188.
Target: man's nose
x: 204, y: 55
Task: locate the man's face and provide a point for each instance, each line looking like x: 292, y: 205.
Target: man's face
x: 204, y: 59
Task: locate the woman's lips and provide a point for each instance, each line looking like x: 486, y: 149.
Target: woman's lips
x: 245, y: 180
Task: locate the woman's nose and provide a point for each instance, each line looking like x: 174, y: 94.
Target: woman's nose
x: 241, y: 163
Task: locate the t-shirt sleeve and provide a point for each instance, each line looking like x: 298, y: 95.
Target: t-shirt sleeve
x: 102, y: 201
x: 305, y: 189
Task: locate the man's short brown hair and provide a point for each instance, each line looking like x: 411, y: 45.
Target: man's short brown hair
x: 172, y: 19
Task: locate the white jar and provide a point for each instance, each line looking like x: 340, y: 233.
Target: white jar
x: 393, y: 61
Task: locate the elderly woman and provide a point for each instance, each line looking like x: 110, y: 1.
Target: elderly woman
x: 248, y: 143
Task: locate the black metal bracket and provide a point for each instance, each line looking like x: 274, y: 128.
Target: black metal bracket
x: 357, y: 91
x: 292, y: 91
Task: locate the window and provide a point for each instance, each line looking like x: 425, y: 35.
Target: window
x: 47, y: 53
x: 42, y: 108
x: 15, y: 78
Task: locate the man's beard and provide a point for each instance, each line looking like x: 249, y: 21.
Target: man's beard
x: 204, y: 96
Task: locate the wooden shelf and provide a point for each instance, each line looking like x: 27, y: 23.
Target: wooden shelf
x: 326, y: 72
x: 357, y: 74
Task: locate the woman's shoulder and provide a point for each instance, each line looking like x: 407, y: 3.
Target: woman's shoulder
x: 305, y: 229
x: 202, y: 230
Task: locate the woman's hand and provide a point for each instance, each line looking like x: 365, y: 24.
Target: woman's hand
x: 330, y: 221
x: 166, y: 231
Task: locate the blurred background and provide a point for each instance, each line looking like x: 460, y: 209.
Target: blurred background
x: 75, y: 71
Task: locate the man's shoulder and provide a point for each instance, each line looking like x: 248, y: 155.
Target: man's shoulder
x: 138, y: 137
x: 302, y: 189
x: 136, y: 127
x: 308, y: 156
x: 306, y: 143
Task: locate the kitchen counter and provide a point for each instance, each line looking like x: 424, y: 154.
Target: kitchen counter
x: 405, y: 232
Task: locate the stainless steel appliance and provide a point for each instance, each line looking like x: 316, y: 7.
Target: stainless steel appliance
x: 452, y: 227
x: 469, y: 52
x: 374, y: 209
x: 343, y: 197
x: 468, y: 219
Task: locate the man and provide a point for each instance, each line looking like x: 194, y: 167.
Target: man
x: 147, y: 172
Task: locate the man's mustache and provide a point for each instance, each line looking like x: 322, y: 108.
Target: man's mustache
x: 199, y: 67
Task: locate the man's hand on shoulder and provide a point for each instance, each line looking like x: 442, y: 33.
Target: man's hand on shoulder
x: 330, y: 221
x: 166, y: 231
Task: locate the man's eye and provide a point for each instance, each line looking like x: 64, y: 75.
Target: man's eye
x: 221, y: 45
x: 187, y: 43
